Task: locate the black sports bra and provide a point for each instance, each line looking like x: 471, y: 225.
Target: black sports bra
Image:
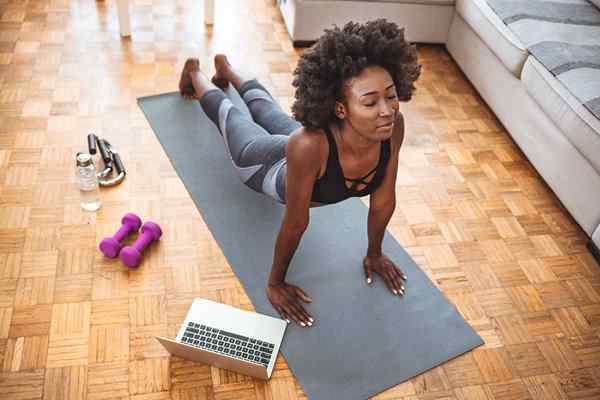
x: 331, y: 187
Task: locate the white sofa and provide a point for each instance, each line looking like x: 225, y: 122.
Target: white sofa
x: 555, y: 131
x: 306, y: 19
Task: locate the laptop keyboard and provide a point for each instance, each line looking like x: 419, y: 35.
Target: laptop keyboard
x: 227, y: 343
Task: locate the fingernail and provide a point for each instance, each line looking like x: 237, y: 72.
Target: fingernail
x: 402, y: 287
x: 395, y: 291
x: 312, y: 320
x: 369, y: 281
x: 310, y: 324
x: 288, y: 321
x: 302, y: 323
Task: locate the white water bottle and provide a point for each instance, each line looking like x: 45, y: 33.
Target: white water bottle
x: 88, y: 182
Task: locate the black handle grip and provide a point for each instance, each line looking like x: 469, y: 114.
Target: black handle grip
x: 92, y: 140
x: 118, y: 163
x: 104, y: 152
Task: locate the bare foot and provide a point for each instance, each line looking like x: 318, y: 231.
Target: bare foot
x: 186, y: 88
x: 222, y: 66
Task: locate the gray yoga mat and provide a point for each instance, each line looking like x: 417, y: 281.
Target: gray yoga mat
x: 365, y: 339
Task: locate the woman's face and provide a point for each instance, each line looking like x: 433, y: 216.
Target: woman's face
x: 371, y: 103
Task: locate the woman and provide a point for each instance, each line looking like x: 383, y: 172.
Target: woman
x: 344, y: 140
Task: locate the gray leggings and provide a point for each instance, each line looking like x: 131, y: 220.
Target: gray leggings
x: 255, y: 145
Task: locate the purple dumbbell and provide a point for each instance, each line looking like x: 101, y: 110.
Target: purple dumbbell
x: 111, y: 246
x: 131, y: 255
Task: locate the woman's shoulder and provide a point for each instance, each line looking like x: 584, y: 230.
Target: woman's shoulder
x: 307, y: 147
x: 307, y: 140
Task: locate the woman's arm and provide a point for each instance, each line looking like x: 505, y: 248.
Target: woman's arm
x: 303, y: 163
x: 382, y: 204
x: 302, y: 153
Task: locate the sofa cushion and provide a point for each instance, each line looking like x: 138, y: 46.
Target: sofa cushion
x: 564, y: 35
x: 425, y: 2
x: 494, y: 33
x: 576, y: 122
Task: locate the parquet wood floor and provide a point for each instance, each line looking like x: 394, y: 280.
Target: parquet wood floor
x: 73, y: 325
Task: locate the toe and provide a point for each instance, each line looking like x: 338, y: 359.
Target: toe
x: 192, y: 64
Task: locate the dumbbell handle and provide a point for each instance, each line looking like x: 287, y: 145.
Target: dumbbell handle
x: 123, y: 231
x: 142, y: 241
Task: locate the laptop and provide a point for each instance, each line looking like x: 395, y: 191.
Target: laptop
x: 229, y: 338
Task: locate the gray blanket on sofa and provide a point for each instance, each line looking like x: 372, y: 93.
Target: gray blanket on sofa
x: 564, y: 35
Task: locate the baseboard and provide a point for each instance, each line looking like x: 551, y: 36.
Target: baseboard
x: 594, y: 250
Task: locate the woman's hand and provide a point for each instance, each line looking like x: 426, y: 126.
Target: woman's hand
x: 383, y: 266
x: 285, y: 298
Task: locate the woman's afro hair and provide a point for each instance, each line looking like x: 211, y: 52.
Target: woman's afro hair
x: 341, y: 54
